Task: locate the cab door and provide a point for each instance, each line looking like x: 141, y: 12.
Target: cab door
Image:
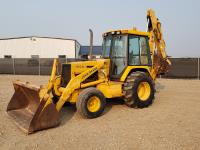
x: 118, y: 56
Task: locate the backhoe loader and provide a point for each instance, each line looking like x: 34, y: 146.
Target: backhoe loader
x: 130, y: 62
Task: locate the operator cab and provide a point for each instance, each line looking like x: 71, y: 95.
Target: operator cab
x: 126, y: 48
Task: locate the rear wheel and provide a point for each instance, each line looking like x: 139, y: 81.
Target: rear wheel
x: 91, y: 103
x: 138, y: 90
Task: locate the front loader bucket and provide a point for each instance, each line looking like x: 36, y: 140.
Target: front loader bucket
x: 30, y: 112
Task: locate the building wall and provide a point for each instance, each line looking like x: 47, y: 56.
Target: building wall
x: 44, y: 47
x: 77, y: 49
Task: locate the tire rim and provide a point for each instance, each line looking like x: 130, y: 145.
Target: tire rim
x: 144, y: 91
x: 93, y: 104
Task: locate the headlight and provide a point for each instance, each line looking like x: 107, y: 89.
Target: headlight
x: 118, y: 32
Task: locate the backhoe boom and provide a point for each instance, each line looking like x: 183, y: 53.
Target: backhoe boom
x: 160, y: 60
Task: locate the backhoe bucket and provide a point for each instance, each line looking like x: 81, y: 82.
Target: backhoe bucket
x: 29, y: 111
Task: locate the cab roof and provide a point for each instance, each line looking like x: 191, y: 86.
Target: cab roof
x: 133, y: 31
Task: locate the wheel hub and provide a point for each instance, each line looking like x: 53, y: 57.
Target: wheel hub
x: 144, y: 91
x: 93, y: 104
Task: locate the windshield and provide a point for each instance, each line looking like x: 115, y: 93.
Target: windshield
x: 106, y: 46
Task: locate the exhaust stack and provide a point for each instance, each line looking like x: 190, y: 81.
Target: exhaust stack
x: 91, y: 44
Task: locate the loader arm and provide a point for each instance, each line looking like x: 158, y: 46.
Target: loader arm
x: 45, y: 91
x: 160, y: 59
x: 75, y: 83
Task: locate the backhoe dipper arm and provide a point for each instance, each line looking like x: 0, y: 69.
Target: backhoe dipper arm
x: 160, y: 60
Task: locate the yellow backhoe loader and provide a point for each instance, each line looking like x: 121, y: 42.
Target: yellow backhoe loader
x: 128, y: 68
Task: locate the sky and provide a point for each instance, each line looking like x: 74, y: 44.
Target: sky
x: 72, y: 19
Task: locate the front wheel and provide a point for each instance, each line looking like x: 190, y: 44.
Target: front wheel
x: 138, y: 90
x: 91, y: 103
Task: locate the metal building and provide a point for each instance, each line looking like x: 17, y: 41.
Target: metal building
x: 39, y: 47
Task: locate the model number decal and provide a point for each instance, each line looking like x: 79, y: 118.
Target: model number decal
x: 89, y: 73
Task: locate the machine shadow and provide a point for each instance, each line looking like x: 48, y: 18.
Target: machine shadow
x: 111, y: 102
x: 67, y: 113
x: 159, y: 87
x: 69, y: 110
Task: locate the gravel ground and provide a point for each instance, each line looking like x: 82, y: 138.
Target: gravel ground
x: 172, y: 122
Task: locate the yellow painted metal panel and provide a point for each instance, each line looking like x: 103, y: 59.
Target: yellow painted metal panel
x: 130, y: 68
x: 111, y: 89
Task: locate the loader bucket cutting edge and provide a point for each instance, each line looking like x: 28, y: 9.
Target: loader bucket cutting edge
x: 28, y: 111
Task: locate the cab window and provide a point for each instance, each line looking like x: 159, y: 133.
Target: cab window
x: 106, y: 46
x: 134, y: 50
x: 139, y: 53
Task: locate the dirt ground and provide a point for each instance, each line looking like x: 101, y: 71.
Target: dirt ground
x: 172, y: 122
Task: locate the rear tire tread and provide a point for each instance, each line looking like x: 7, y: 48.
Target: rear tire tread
x: 129, y: 95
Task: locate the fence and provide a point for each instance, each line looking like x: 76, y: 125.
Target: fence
x: 184, y: 68
x: 26, y: 66
x: 181, y: 67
